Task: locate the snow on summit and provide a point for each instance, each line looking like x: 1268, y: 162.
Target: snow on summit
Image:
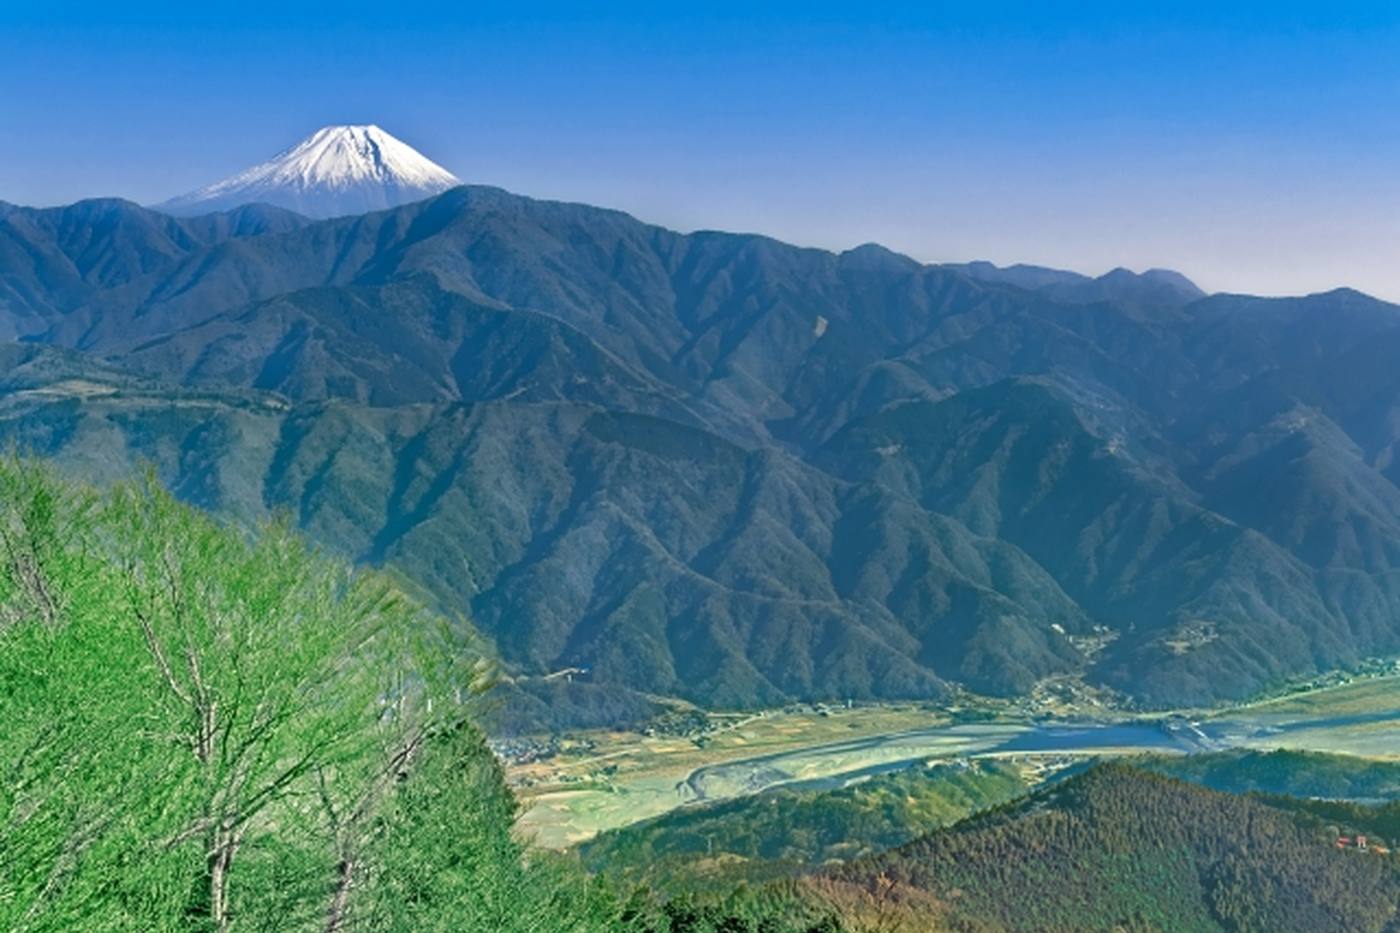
x: 335, y: 171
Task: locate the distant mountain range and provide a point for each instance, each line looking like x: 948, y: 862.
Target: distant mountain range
x: 725, y: 468
x: 335, y: 171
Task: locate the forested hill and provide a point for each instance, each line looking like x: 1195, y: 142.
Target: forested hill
x: 722, y: 467
x: 787, y: 832
x: 198, y: 735
x: 1121, y: 849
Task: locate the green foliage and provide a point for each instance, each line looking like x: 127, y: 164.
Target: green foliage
x: 208, y: 731
x: 1337, y: 794
x: 1284, y: 772
x: 786, y: 832
x: 775, y: 908
x: 1119, y: 848
x: 1379, y: 821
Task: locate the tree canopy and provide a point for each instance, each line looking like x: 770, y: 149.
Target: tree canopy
x: 205, y: 729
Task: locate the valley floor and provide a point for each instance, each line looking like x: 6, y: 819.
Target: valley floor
x: 574, y: 787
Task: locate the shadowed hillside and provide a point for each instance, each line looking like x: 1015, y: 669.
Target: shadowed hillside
x: 722, y: 467
x: 1119, y: 849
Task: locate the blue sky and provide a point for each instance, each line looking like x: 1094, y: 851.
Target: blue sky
x: 1255, y: 148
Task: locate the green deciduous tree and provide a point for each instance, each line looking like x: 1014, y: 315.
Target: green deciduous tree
x: 205, y: 729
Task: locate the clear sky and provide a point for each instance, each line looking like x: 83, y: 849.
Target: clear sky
x: 1253, y: 146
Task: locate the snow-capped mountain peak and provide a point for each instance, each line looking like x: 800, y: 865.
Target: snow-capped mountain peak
x: 335, y: 171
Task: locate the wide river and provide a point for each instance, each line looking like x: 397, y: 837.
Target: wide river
x: 840, y: 763
x: 1368, y: 725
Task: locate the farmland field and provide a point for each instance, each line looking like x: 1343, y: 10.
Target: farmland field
x: 605, y: 780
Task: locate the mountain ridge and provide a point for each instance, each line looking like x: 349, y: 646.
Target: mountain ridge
x: 929, y: 479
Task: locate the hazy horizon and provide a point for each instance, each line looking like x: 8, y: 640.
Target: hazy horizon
x: 1251, y: 151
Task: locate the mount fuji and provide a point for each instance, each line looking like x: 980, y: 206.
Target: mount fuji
x: 337, y: 170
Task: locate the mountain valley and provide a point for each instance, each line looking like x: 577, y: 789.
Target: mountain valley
x: 717, y: 467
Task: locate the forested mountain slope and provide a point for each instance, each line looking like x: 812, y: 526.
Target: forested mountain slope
x: 198, y: 736
x: 719, y: 466
x: 1118, y: 849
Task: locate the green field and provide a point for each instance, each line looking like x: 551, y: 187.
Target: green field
x: 619, y: 778
x: 1357, y: 718
x: 608, y: 779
